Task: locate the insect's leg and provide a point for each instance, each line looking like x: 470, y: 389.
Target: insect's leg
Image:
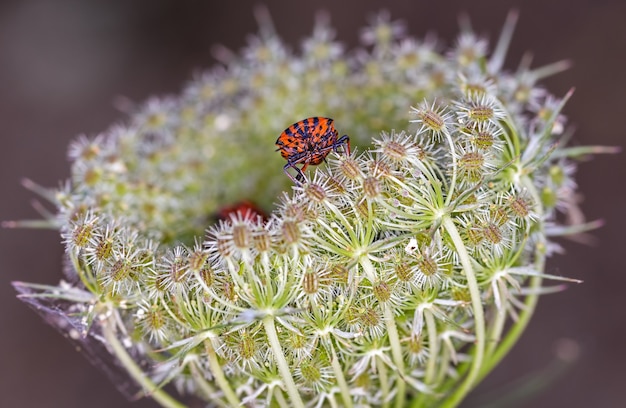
x: 286, y: 168
x: 343, y: 140
x: 301, y: 175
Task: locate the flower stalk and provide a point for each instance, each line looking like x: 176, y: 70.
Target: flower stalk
x: 149, y: 387
x: 477, y: 309
x: 281, y: 362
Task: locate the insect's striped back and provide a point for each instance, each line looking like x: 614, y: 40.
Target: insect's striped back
x: 308, y: 142
x: 309, y: 136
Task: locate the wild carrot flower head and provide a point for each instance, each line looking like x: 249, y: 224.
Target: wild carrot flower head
x: 373, y: 278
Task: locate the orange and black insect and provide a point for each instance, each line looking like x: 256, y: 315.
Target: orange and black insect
x: 308, y: 142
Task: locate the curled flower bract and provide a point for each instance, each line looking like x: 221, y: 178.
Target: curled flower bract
x: 390, y: 273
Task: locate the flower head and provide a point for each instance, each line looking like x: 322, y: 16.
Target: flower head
x: 374, y: 275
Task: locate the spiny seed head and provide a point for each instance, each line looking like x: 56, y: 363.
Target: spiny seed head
x: 427, y: 265
x: 207, y: 276
x: 229, y: 291
x: 480, y: 113
x: 372, y: 187
x: 144, y: 257
x: 197, y: 260
x: 472, y: 161
x: 290, y: 232
x: 432, y: 120
x: 471, y: 166
x: 379, y: 168
x: 473, y: 89
x: 246, y: 346
x: 461, y: 294
x: 82, y: 234
x: 352, y: 315
x: 362, y: 208
x: 382, y: 292
x: 394, y: 150
x: 369, y: 317
x: 297, y: 342
x: 479, y: 109
x: 262, y: 240
x: 350, y: 168
x: 242, y: 237
x: 403, y: 272
x: 294, y: 211
x: 91, y: 151
x: 310, y: 214
x: 498, y: 214
x: 469, y: 199
x: 120, y: 270
x: 315, y: 192
x: 224, y: 247
x: 155, y: 318
x: 483, y: 139
x: 339, y: 274
x: 423, y: 238
x: 421, y: 153
x: 491, y: 232
x: 310, y: 373
x: 519, y: 206
x: 178, y: 269
x: 446, y: 269
x: 474, y: 235
x: 311, y: 282
x: 415, y: 345
x: 335, y: 185
x: 466, y: 56
x: 104, y: 250
x: 160, y: 283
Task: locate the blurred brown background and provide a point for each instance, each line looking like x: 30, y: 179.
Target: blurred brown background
x: 63, y: 63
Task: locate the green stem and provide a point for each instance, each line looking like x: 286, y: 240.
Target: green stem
x: 280, y: 398
x: 493, y: 339
x: 479, y: 319
x: 340, y: 378
x: 396, y: 353
x: 444, y: 364
x: 433, y: 348
x: 149, y: 387
x: 433, y: 352
x: 218, y: 374
x: 368, y: 268
x: 281, y: 362
x: 384, y: 380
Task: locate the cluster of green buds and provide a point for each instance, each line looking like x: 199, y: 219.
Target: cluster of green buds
x: 399, y: 274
